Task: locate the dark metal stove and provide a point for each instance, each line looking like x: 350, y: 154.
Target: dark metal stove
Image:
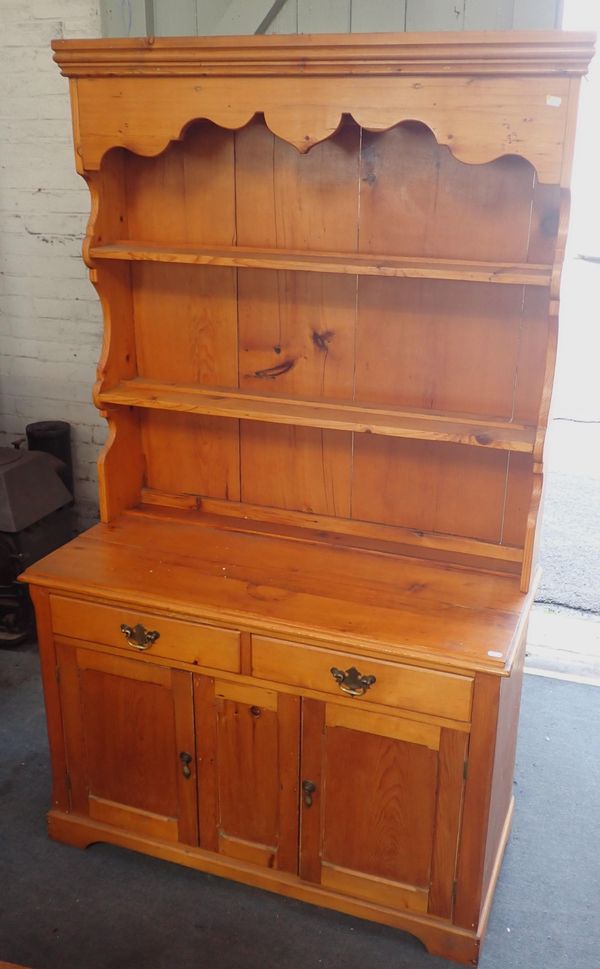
x: 35, y: 518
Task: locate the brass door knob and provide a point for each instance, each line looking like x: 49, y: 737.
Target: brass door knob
x: 186, y: 760
x: 308, y: 789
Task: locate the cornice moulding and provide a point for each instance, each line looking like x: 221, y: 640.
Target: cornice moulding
x: 404, y: 54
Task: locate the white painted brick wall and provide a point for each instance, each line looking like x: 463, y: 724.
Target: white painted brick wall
x: 50, y: 320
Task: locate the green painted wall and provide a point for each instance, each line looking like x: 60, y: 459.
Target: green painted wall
x: 134, y: 18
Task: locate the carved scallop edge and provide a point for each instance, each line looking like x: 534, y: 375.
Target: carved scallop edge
x: 303, y: 144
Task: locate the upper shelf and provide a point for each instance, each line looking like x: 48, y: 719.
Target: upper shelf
x: 418, y: 425
x: 362, y: 264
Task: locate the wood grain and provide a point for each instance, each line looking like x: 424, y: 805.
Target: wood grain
x: 363, y: 601
x: 318, y: 464
x: 411, y: 342
x: 471, y: 855
x: 240, y: 516
x: 135, y: 763
x: 130, y: 768
x: 250, y: 748
x: 447, y: 489
x: 494, y: 200
x: 289, y: 734
x: 202, y: 304
x: 398, y: 686
x: 187, y: 642
x: 185, y: 738
x: 203, y: 454
x: 145, y: 822
x: 504, y: 760
x: 452, y: 761
x: 52, y: 698
x: 378, y: 805
x: 384, y: 891
x: 205, y: 722
x: 297, y: 335
x: 121, y: 467
x: 248, y: 783
x: 397, y: 728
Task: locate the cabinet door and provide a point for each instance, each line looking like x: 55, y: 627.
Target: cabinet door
x: 129, y: 734
x: 248, y: 741
x: 381, y: 802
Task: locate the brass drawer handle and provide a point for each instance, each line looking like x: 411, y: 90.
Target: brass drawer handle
x: 138, y: 636
x: 351, y: 681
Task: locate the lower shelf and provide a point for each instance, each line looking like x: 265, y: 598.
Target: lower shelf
x: 411, y: 424
x: 439, y: 937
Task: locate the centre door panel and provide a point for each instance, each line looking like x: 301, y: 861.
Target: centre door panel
x: 248, y: 741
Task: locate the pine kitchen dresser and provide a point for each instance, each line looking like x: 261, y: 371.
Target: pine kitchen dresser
x: 291, y: 653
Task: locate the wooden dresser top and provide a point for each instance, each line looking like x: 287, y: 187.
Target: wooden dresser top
x: 214, y: 569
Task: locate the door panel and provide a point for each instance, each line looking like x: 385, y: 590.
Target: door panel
x: 132, y: 762
x: 247, y: 755
x: 127, y: 724
x: 384, y: 816
x: 379, y: 805
x: 248, y: 748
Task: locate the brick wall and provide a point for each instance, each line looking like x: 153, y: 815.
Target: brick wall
x: 50, y: 321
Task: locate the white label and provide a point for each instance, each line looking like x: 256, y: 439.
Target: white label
x: 553, y: 101
x: 494, y: 654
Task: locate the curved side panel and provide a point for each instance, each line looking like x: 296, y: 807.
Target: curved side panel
x: 121, y: 463
x: 108, y: 219
x: 118, y: 356
x: 92, y: 183
x: 145, y: 115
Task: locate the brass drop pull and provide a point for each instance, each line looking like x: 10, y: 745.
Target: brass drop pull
x: 138, y: 636
x: 308, y: 789
x: 351, y: 681
x: 186, y: 760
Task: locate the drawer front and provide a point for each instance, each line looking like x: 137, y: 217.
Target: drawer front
x: 184, y: 642
x: 425, y: 691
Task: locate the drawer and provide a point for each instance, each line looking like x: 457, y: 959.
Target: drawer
x: 406, y: 687
x: 185, y: 642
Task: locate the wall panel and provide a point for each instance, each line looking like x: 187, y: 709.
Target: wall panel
x: 134, y: 18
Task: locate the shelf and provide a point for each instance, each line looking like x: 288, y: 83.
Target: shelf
x: 419, y: 425
x: 348, y: 263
